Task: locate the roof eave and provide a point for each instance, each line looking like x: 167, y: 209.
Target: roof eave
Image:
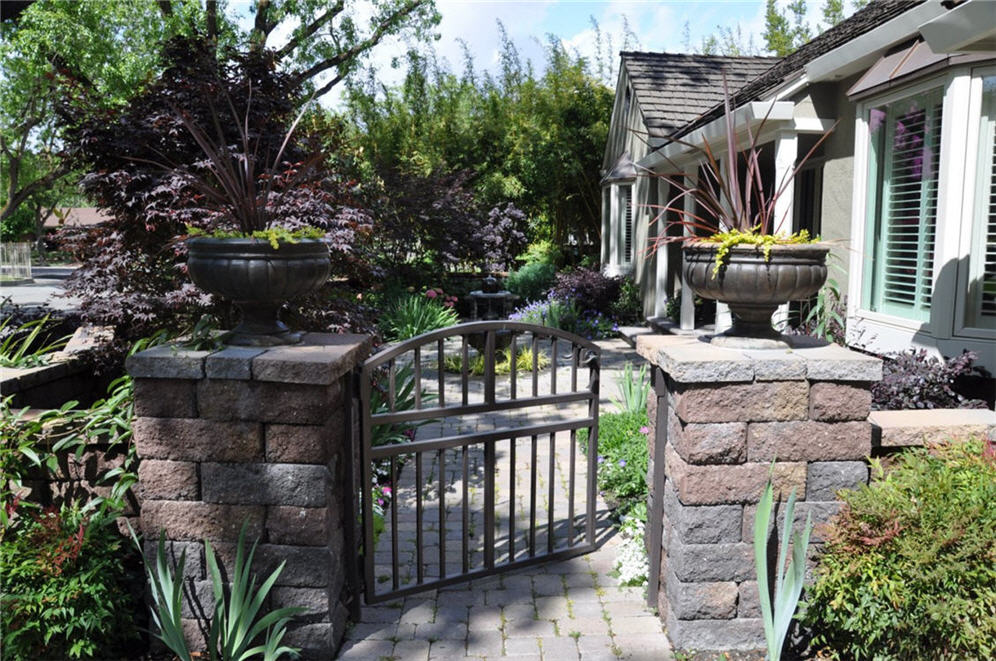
x: 750, y: 115
x: 862, y: 51
x: 966, y: 28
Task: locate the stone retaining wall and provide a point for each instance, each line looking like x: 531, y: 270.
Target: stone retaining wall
x: 723, y: 420
x: 261, y: 437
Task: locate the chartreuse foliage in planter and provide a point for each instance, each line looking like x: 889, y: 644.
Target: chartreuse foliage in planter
x: 272, y: 235
x: 909, y: 570
x: 753, y: 237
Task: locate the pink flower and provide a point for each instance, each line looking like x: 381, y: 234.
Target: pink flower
x: 644, y: 430
x: 386, y: 490
x: 431, y: 294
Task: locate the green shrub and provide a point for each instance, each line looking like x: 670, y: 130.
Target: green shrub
x: 543, y: 251
x: 64, y: 587
x: 628, y: 308
x: 503, y: 362
x: 532, y: 281
x: 622, y: 457
x: 909, y: 570
x: 413, y: 315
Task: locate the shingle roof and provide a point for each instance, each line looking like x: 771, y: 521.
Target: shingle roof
x: 873, y: 15
x: 673, y: 89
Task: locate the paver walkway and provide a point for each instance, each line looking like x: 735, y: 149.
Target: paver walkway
x: 567, y: 610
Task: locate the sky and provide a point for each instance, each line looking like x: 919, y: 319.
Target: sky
x: 657, y: 25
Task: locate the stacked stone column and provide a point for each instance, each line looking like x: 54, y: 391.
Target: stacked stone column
x: 734, y: 417
x: 255, y: 437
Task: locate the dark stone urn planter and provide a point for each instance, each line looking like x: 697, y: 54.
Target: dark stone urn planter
x: 754, y: 287
x: 258, y: 279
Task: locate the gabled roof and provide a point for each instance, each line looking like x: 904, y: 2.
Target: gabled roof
x: 864, y: 20
x: 673, y: 89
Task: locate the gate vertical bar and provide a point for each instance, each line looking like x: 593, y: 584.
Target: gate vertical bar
x: 489, y: 504
x: 394, y: 523
x: 418, y: 377
x: 489, y: 368
x: 440, y: 367
x: 655, y: 520
x: 367, y: 504
x: 593, y: 363
x: 552, y: 481
x: 442, y: 510
x: 420, y: 570
x: 351, y: 456
x: 465, y: 537
x: 511, y: 500
x: 532, y: 497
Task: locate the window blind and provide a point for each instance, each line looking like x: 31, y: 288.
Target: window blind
x: 906, y: 148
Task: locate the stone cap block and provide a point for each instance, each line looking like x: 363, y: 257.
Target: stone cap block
x: 231, y: 363
x: 930, y: 426
x: 320, y: 359
x: 167, y: 361
x: 689, y: 359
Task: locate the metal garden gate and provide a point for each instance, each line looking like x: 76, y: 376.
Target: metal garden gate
x: 461, y: 425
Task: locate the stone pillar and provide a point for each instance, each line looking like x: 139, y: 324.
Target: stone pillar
x: 261, y: 436
x: 730, y: 414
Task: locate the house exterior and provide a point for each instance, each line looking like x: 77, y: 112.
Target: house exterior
x: 904, y: 187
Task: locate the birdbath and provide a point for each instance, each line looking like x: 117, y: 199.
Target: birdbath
x: 489, y: 304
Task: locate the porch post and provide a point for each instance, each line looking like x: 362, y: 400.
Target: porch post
x: 687, y: 297
x: 661, y: 292
x: 786, y: 153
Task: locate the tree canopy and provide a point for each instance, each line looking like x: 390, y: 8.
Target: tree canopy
x: 113, y: 47
x: 532, y: 139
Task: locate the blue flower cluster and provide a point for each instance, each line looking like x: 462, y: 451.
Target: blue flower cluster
x: 563, y: 313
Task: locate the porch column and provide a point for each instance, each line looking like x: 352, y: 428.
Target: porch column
x: 262, y: 438
x: 786, y: 153
x: 661, y: 292
x: 724, y: 319
x: 687, y: 296
x: 606, y: 207
x: 615, y: 250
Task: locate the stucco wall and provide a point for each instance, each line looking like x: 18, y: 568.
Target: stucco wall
x: 829, y: 101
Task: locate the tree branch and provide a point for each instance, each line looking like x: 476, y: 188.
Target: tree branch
x: 165, y: 7
x: 329, y: 85
x: 262, y: 26
x: 312, y: 28
x: 16, y: 198
x: 351, y: 53
x: 211, y: 18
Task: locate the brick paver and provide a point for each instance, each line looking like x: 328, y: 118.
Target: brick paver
x: 570, y: 610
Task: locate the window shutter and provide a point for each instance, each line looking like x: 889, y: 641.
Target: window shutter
x: 627, y: 192
x: 907, y: 137
x: 982, y: 265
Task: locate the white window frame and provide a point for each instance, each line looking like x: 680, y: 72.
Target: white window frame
x: 972, y: 199
x: 944, y: 331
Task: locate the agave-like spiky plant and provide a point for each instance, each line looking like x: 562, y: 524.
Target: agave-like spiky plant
x: 777, y: 615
